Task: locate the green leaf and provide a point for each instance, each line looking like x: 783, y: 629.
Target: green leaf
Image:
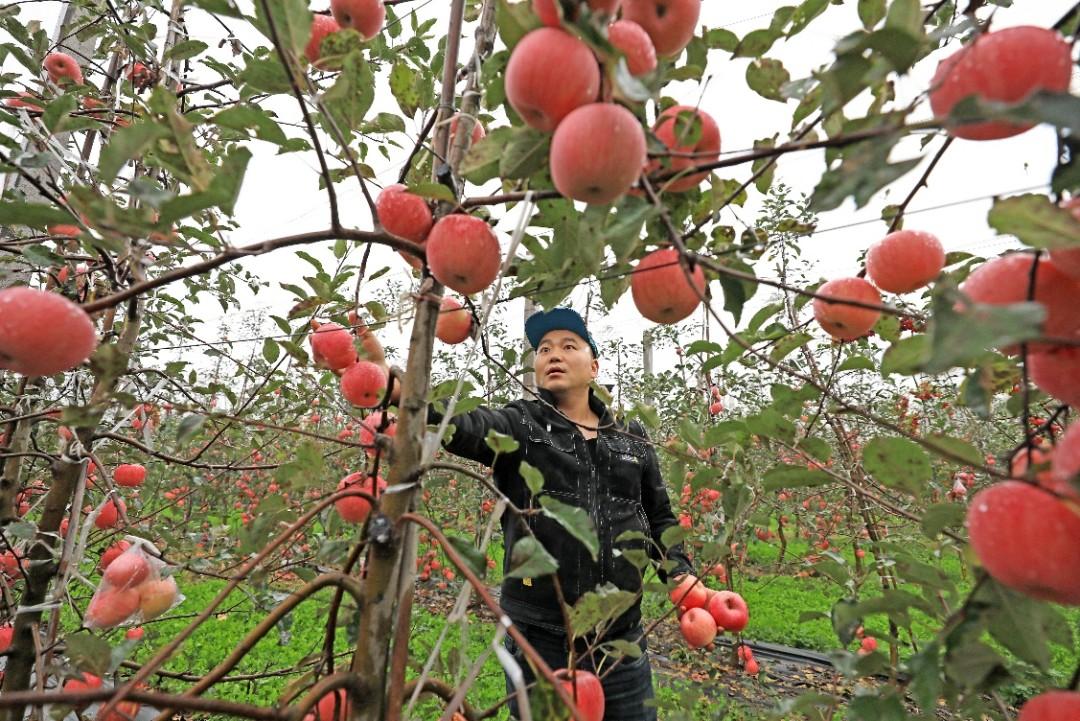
x: 906, y: 356
x: 270, y: 350
x: 352, y: 94
x: 765, y: 76
x: 481, y: 162
x: 41, y: 256
x: 265, y: 74
x: 720, y: 39
x: 941, y: 516
x: 534, y: 479
x: 871, y: 12
x: 816, y: 448
x: 57, y: 111
x: 125, y: 144
x: 190, y: 424
x: 529, y: 559
x: 1018, y: 623
x: 514, y: 20
x: 787, y: 344
x: 856, y: 363
x: 242, y: 117
x: 575, y: 520
x: 804, y: 14
x: 785, y: 476
x: 88, y: 652
x: 957, y: 338
x: 500, y: 443
x: 606, y: 603
x: 771, y: 424
x: 405, y: 87
x: 864, y: 171
x: 756, y: 43
x: 1036, y: 220
x: 435, y: 191
x: 473, y: 557
x: 524, y: 154
x: 897, y: 463
x: 964, y: 450
x: 187, y: 49
x: 972, y: 661
x: 291, y: 21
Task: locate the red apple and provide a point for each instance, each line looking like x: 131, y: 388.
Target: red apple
x: 7, y: 633
x: 26, y: 100
x: 670, y: 23
x: 454, y: 322
x: 110, y: 513
x: 42, y: 333
x: 905, y: 261
x: 1006, y: 280
x: 597, y: 153
x: 112, y: 553
x: 1064, y: 474
x: 321, y: 26
x: 698, y: 627
x: 135, y: 634
x: 334, y: 706
x: 369, y: 426
x: 62, y: 67
x: 354, y: 509
x: 128, y: 570
x: 541, y: 96
x: 633, y: 42
x: 1052, y: 706
x: 1027, y: 539
x: 156, y: 596
x: 589, y: 693
x: 847, y: 322
x: 660, y: 289
x: 141, y: 76
x: 332, y: 346
x: 364, y: 16
x: 693, y: 137
x: 111, y: 607
x: 1057, y: 373
x: 476, y: 135
x: 463, y: 253
x: 729, y: 611
x: 1004, y: 66
x: 868, y: 645
x: 129, y: 474
x: 83, y: 682
x: 124, y: 711
x: 404, y: 214
x: 363, y: 384
x: 690, y: 593
x: 752, y: 668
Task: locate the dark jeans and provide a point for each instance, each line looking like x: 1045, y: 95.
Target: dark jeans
x: 626, y: 688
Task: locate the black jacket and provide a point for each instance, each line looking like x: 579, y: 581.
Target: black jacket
x: 622, y: 492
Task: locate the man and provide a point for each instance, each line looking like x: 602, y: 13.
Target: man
x: 590, y: 461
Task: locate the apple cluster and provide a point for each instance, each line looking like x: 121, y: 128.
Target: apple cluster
x: 705, y: 612
x: 132, y: 586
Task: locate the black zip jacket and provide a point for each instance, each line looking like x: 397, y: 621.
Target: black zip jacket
x: 622, y: 491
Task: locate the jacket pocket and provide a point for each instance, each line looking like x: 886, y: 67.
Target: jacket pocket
x: 626, y: 468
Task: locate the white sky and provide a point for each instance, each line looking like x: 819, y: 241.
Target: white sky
x: 281, y: 194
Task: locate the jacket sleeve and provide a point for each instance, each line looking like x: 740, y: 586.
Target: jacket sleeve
x: 471, y: 430
x: 657, y: 504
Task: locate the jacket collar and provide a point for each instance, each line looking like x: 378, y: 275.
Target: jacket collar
x: 595, y: 404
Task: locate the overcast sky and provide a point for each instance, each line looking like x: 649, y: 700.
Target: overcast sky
x: 281, y: 194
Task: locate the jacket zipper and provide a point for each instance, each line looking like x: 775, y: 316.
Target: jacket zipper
x: 590, y: 499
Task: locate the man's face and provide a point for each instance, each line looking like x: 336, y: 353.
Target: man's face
x: 564, y: 361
